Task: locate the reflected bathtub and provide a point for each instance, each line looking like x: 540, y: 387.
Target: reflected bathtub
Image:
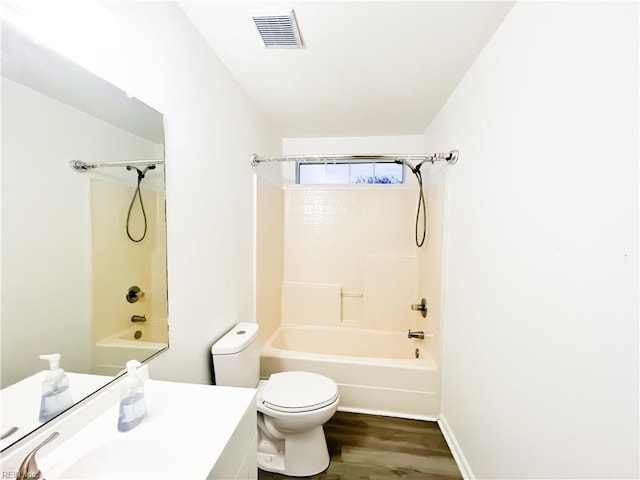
x: 376, y: 371
x: 110, y: 354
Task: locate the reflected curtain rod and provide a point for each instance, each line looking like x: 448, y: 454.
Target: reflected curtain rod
x: 451, y: 158
x: 80, y: 166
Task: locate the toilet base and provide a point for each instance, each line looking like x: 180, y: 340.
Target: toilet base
x: 304, y: 454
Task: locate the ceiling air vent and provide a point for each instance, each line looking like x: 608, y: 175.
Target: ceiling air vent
x: 278, y: 29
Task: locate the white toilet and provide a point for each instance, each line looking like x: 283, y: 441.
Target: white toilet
x: 292, y: 406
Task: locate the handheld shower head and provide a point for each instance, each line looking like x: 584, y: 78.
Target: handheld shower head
x: 141, y: 173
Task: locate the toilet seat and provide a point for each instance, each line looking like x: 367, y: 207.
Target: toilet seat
x: 293, y: 392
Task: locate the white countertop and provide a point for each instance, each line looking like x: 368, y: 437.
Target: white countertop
x: 20, y: 402
x: 183, y: 435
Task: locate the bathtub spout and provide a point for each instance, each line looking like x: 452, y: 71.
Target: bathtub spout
x: 415, y: 334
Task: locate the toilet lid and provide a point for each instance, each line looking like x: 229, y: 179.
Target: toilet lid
x: 299, y: 391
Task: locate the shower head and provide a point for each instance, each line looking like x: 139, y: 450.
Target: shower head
x: 150, y: 167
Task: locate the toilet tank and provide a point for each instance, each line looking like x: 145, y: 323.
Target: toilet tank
x: 236, y: 357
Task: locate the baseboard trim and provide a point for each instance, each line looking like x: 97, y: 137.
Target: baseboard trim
x: 456, y: 451
x: 385, y: 413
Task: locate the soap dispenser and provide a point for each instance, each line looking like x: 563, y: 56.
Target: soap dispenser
x: 56, y: 396
x: 132, y: 406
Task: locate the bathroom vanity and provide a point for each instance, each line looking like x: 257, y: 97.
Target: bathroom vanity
x: 20, y: 402
x: 190, y: 431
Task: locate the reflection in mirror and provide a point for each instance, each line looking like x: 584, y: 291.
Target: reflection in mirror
x: 75, y: 242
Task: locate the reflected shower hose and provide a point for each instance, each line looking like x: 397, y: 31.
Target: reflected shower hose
x: 137, y: 194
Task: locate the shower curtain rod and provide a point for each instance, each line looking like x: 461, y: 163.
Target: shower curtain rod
x: 80, y: 166
x: 451, y: 158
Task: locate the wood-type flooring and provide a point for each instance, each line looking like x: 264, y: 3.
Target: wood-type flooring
x: 371, y: 447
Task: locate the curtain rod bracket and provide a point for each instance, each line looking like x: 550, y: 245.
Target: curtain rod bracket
x: 79, y: 166
x: 453, y: 157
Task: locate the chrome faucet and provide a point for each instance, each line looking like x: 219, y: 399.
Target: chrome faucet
x: 29, y: 468
x: 138, y: 318
x: 416, y: 334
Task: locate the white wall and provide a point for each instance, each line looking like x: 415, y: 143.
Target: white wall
x: 212, y: 128
x: 269, y: 255
x: 541, y: 294
x: 46, y: 229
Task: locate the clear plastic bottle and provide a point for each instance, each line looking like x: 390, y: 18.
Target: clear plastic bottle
x: 132, y: 405
x: 56, y: 396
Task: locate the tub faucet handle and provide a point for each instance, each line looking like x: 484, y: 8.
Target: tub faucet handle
x: 138, y: 318
x: 416, y: 334
x: 134, y: 294
x: 421, y: 307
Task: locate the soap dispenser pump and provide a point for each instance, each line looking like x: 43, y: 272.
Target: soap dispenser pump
x: 56, y: 396
x: 132, y: 405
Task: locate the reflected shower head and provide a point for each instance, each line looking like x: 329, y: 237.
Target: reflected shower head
x: 150, y: 167
x: 141, y: 173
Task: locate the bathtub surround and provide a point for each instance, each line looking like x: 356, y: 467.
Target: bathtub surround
x: 540, y: 357
x: 309, y: 304
x: 351, y: 272
x: 350, y: 248
x: 119, y: 263
x: 389, y: 288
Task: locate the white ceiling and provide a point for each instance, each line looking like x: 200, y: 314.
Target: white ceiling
x: 367, y: 67
x: 29, y: 62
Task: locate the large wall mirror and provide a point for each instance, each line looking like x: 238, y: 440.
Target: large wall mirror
x: 84, y: 249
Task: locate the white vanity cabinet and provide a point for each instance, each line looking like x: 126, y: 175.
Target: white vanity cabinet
x: 190, y: 431
x: 239, y: 458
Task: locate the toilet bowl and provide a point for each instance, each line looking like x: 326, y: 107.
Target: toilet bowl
x: 292, y: 406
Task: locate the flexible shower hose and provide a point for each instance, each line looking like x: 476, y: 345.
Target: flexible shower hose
x: 139, y: 196
x: 422, y: 204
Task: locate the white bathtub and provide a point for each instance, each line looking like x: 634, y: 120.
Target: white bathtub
x: 376, y: 371
x: 110, y: 354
